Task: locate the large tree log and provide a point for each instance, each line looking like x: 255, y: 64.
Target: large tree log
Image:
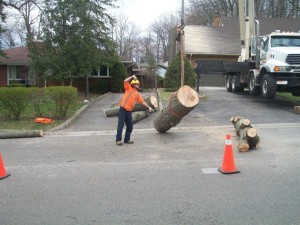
x: 111, y: 111
x: 248, y: 137
x: 150, y: 100
x: 180, y: 104
x: 139, y: 115
x: 20, y: 133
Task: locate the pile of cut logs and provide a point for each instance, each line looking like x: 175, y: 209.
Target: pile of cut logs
x: 139, y: 111
x: 248, y: 137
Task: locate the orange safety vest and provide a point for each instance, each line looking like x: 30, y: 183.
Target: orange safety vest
x: 130, y: 97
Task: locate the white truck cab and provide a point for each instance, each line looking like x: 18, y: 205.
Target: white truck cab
x: 280, y: 52
x: 279, y: 63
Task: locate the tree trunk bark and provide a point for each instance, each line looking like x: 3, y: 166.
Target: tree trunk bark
x: 181, y: 103
x: 4, y: 134
x: 111, y: 111
x: 150, y: 100
x: 248, y: 137
x: 139, y: 115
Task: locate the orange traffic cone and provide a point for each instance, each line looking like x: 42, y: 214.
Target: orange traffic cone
x: 228, y: 165
x: 3, y: 174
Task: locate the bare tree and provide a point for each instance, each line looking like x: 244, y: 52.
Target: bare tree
x: 25, y: 16
x: 294, y: 9
x: 8, y: 39
x: 203, y: 12
x: 126, y: 35
x: 160, y: 31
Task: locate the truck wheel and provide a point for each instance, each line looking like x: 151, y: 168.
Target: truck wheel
x: 235, y: 88
x: 228, y: 83
x: 268, y: 87
x: 253, y: 89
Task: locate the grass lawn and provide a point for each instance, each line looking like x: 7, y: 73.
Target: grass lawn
x: 165, y: 95
x: 26, y: 121
x: 289, y: 96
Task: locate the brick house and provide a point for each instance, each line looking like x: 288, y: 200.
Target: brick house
x: 15, y: 67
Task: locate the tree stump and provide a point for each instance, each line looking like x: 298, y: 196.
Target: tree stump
x: 4, y: 134
x: 181, y: 103
x: 297, y: 109
x: 150, y: 100
x: 248, y: 137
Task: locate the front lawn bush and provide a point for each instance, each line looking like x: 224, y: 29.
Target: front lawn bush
x: 63, y: 98
x: 14, y: 100
x: 37, y: 99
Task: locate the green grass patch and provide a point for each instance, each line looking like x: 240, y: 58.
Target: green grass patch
x: 288, y: 96
x: 26, y: 121
x: 165, y: 94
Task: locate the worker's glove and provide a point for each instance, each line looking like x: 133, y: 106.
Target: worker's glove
x: 150, y: 109
x: 134, y: 77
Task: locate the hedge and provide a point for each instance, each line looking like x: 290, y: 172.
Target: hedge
x: 55, y: 101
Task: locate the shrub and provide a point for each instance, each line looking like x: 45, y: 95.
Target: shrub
x: 118, y: 75
x: 63, y: 98
x: 173, y: 74
x: 13, y: 84
x: 14, y: 100
x: 37, y: 98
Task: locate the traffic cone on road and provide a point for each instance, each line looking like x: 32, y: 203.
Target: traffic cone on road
x: 228, y: 165
x: 3, y: 173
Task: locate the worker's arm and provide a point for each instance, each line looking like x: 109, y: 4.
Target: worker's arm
x: 133, y: 77
x: 142, y: 101
x: 149, y: 108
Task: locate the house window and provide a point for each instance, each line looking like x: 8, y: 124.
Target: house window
x: 103, y: 71
x: 18, y: 74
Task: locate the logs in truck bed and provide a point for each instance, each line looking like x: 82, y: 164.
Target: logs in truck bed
x: 248, y: 138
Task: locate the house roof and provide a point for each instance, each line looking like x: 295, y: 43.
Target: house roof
x: 19, y: 56
x: 211, y: 40
x: 16, y: 56
x: 225, y: 39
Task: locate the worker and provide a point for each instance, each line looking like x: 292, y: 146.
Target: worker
x: 127, y: 103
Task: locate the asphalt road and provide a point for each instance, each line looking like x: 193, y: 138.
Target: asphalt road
x: 79, y: 176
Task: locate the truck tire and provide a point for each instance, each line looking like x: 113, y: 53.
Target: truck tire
x: 234, y: 86
x: 253, y: 89
x: 228, y: 83
x: 268, y: 87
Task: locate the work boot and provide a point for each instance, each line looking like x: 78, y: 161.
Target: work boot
x: 128, y: 142
x: 119, y: 143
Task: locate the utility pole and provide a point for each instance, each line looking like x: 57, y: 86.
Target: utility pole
x: 182, y: 43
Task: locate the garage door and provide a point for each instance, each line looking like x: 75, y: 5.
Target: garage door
x: 211, y: 73
x: 212, y: 80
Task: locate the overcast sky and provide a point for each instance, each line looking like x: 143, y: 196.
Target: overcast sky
x: 144, y: 12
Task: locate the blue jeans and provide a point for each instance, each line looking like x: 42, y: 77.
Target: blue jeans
x: 125, y: 117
